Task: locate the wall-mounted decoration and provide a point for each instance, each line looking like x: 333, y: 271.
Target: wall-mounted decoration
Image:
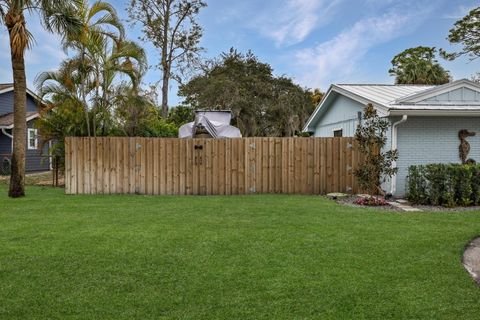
x: 464, y: 148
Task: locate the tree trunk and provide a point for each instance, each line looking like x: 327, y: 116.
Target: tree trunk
x: 165, y: 81
x: 83, y: 93
x: 166, y: 63
x: 17, y: 178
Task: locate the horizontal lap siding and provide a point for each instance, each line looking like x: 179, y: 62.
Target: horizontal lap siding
x: 210, y: 166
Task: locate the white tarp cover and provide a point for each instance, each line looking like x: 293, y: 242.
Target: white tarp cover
x: 217, y: 124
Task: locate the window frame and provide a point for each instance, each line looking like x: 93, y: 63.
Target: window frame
x: 33, y: 131
x: 336, y: 130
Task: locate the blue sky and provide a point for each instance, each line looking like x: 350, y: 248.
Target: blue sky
x: 315, y: 42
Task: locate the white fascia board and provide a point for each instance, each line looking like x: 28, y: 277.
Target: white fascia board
x: 434, y: 112
x: 319, y: 107
x: 30, y: 92
x: 6, y: 90
x: 383, y: 109
x: 30, y: 118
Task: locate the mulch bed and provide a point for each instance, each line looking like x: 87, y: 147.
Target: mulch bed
x: 350, y: 201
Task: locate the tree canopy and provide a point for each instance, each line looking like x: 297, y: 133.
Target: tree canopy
x: 418, y: 66
x: 466, y: 32
x: 171, y: 26
x: 262, y: 104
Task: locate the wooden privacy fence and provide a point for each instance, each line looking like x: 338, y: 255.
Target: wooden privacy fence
x: 210, y: 166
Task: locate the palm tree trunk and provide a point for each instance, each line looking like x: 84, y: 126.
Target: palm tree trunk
x: 17, y: 179
x: 83, y: 93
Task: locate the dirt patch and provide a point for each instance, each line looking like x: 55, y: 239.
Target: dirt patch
x: 37, y: 179
x: 471, y: 259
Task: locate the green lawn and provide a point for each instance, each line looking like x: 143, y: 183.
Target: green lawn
x: 239, y: 257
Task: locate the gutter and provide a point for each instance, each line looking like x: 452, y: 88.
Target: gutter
x: 393, y: 181
x: 434, y: 112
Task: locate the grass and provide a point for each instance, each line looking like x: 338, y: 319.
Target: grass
x: 242, y: 257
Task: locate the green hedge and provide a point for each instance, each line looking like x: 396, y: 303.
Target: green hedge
x: 448, y: 185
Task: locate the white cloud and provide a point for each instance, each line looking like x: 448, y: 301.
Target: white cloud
x: 460, y: 12
x: 294, y: 20
x: 338, y: 58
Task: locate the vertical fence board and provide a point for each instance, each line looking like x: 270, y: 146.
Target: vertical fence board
x: 210, y: 166
x: 207, y: 159
x: 68, y: 165
x: 228, y: 166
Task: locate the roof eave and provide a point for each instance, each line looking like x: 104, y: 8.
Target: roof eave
x: 30, y: 92
x: 307, y: 128
x: 433, y: 112
x: 29, y: 118
x: 335, y: 88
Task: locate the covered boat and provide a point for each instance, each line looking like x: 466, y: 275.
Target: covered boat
x: 210, y: 124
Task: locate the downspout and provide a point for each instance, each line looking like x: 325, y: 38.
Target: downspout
x: 393, y: 181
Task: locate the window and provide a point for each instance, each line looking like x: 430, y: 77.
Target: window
x: 32, y: 139
x: 338, y: 133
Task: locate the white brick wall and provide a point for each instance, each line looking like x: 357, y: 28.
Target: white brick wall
x: 423, y: 140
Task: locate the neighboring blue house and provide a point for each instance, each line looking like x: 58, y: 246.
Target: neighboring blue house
x: 425, y: 120
x: 36, y: 159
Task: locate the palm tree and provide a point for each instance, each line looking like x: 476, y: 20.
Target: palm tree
x: 57, y: 16
x: 61, y: 91
x: 103, y: 64
x: 99, y: 21
x: 125, y: 58
x: 418, y: 66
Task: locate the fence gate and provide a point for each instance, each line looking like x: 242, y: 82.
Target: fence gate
x: 110, y: 165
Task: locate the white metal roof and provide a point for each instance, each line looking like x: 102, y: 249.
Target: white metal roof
x: 384, y: 94
x: 391, y: 99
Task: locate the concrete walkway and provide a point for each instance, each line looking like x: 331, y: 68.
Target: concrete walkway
x: 403, y: 205
x: 471, y: 259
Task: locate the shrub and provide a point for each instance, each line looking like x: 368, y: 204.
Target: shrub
x: 475, y: 185
x: 447, y: 185
x: 417, y: 185
x: 436, y: 174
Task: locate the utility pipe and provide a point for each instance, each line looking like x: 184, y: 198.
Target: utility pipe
x: 393, y: 180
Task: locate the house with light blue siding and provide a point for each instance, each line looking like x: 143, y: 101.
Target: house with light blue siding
x: 36, y: 158
x: 424, y: 120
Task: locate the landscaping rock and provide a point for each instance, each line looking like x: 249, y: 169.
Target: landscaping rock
x: 337, y: 195
x: 471, y: 259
